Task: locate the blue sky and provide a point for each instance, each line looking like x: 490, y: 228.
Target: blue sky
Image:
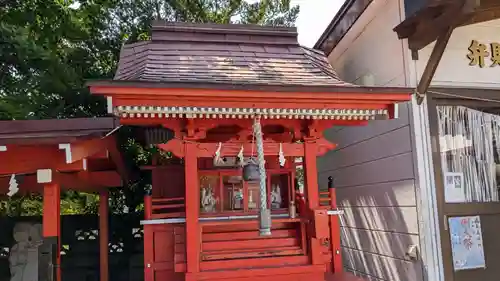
x: 314, y: 17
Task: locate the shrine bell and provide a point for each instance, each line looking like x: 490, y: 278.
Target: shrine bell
x: 251, y: 172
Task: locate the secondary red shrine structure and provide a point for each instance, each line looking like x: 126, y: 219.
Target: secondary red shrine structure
x: 50, y: 156
x: 219, y: 88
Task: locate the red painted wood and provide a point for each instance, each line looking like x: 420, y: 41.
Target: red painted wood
x: 163, y: 246
x: 165, y: 255
x: 148, y: 210
x: 51, y: 222
x: 168, y: 182
x: 254, y: 234
x: 104, y: 235
x: 248, y: 244
x: 28, y: 159
x: 335, y: 235
x: 167, y: 206
x: 231, y: 149
x: 311, y: 174
x: 308, y: 272
x: 247, y: 222
x: 168, y: 215
x: 221, y: 228
x: 164, y: 200
x: 255, y: 252
x: 148, y: 249
x: 254, y: 263
x: 193, y: 238
x: 82, y: 181
x: 132, y: 95
x: 83, y: 149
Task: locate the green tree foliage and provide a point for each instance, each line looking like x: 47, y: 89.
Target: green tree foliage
x: 49, y: 48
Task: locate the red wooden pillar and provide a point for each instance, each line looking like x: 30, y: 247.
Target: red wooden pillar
x: 312, y: 193
x: 192, y: 209
x: 148, y: 240
x: 104, y: 235
x: 335, y: 231
x: 311, y: 174
x: 51, y: 222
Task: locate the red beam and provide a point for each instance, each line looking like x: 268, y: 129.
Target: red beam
x: 28, y: 159
x: 83, y: 149
x: 176, y: 146
x: 19, y: 159
x: 81, y: 181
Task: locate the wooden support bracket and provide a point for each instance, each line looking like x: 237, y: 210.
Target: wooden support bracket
x: 432, y: 64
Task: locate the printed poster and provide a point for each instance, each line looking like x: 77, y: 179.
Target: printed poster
x: 466, y: 243
x: 454, y: 187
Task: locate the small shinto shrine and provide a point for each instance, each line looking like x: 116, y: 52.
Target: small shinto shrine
x: 242, y: 104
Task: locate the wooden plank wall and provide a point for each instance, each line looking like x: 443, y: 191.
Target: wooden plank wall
x: 374, y: 176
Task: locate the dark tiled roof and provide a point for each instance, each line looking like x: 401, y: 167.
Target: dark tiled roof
x: 226, y: 54
x: 53, y: 131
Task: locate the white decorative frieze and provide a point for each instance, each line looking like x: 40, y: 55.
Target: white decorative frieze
x: 247, y: 113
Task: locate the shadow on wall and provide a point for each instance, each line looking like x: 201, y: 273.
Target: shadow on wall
x: 374, y: 177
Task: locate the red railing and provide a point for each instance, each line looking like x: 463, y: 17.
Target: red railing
x: 161, y: 208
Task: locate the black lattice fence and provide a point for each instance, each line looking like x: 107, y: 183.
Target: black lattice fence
x: 80, y: 247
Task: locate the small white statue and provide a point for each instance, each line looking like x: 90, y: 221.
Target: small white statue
x: 238, y: 199
x: 208, y: 201
x: 251, y: 204
x: 23, y: 259
x: 275, y: 197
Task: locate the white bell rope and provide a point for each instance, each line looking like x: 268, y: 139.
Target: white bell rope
x: 264, y: 212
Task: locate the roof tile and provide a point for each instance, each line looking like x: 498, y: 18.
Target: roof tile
x: 237, y: 54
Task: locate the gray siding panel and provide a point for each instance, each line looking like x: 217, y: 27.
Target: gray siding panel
x: 382, y: 267
x: 373, y: 171
x: 392, y: 219
x: 398, y: 193
x: 389, y: 169
x: 364, y: 151
x: 384, y: 243
x: 347, y: 136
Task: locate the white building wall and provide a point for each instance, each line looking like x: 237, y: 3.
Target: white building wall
x: 454, y: 69
x: 370, y: 54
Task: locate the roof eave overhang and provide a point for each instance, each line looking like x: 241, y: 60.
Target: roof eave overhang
x: 126, y: 99
x: 104, y: 87
x: 432, y: 20
x: 340, y: 25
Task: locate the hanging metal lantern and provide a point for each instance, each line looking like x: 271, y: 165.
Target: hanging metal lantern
x: 251, y: 172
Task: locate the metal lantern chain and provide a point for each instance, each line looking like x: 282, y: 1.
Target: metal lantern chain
x: 264, y: 212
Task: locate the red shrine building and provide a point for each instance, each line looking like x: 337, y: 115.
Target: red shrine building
x: 237, y: 98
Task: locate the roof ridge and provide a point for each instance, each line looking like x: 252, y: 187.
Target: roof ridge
x: 162, y: 25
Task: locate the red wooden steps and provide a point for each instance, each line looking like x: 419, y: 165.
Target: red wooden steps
x: 277, y: 273
x: 252, y: 253
x: 238, y: 245
x: 254, y: 263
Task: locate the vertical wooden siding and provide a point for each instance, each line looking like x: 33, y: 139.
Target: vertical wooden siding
x: 374, y: 175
